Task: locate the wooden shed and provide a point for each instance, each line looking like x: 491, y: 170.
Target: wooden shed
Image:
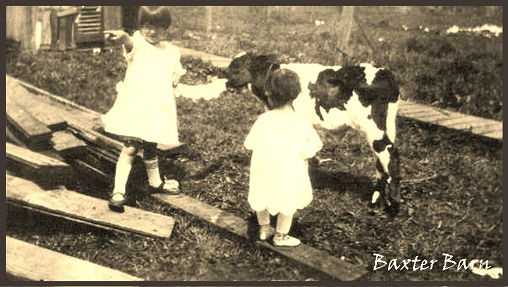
x: 65, y: 27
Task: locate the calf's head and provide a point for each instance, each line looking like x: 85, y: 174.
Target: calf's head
x: 333, y: 89
x: 238, y: 72
x: 247, y: 68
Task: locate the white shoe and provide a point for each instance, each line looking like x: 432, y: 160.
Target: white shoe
x: 265, y: 232
x: 171, y: 186
x: 285, y: 240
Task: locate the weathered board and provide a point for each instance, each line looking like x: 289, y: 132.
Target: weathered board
x: 309, y: 256
x: 9, y: 134
x: 453, y: 120
x: 221, y: 62
x: 45, y: 169
x: 31, y: 262
x: 65, y: 143
x: 73, y: 205
x: 74, y: 114
x: 32, y: 159
x: 53, y: 121
x: 31, y: 131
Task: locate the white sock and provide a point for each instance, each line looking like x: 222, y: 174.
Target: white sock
x: 152, y: 171
x: 283, y: 223
x: 123, y: 169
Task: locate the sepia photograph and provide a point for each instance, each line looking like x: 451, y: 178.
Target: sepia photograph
x: 254, y: 144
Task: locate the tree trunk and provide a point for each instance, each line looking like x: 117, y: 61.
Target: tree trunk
x: 343, y: 32
x: 208, y: 19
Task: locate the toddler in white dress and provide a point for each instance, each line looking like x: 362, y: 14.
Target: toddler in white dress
x: 281, y: 142
x: 145, y: 108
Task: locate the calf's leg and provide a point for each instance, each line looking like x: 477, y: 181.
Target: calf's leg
x: 387, y: 167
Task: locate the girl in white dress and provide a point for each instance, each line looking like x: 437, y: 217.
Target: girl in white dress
x: 145, y: 108
x: 281, y: 142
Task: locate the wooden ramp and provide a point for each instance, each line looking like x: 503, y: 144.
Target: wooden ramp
x: 221, y: 62
x: 303, y: 254
x: 85, y: 209
x: 453, y: 120
x: 30, y: 262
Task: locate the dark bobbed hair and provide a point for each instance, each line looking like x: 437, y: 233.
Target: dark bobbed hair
x: 158, y: 16
x: 284, y: 87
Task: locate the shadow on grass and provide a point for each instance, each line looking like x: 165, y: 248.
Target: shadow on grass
x: 357, y: 186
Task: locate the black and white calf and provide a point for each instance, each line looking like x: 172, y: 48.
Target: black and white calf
x: 363, y: 97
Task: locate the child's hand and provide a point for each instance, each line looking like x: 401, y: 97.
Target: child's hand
x: 114, y: 35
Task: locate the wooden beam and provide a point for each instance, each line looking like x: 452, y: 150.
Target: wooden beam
x: 31, y: 262
x: 66, y: 144
x: 9, y: 134
x: 53, y: 121
x: 78, y: 207
x: 44, y: 169
x: 34, y: 133
x: 303, y: 254
x: 30, y: 158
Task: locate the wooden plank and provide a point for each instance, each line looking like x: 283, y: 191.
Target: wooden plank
x: 46, y: 170
x: 12, y: 137
x: 431, y: 118
x: 53, y: 121
x: 66, y: 144
x: 12, y: 82
x: 495, y: 134
x: 303, y: 254
x: 35, y: 133
x: 79, y: 118
x: 31, y: 262
x: 458, y: 118
x: 96, y: 138
x: 421, y: 114
x: 414, y: 109
x: 489, y: 130
x: 218, y: 61
x: 32, y: 159
x: 76, y: 206
x: 89, y: 24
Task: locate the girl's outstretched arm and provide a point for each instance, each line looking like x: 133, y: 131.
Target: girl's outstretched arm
x: 119, y: 37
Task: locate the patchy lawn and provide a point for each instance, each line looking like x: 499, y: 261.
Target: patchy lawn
x: 452, y: 181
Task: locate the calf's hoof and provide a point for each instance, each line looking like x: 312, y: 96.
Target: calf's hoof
x: 393, y: 199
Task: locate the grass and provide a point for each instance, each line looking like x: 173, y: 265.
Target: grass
x: 451, y: 185
x: 461, y: 72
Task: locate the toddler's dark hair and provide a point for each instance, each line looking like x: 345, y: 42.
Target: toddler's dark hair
x: 284, y: 87
x: 158, y: 16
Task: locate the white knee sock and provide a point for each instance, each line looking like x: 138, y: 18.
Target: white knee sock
x: 283, y: 223
x: 123, y: 169
x: 152, y: 171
